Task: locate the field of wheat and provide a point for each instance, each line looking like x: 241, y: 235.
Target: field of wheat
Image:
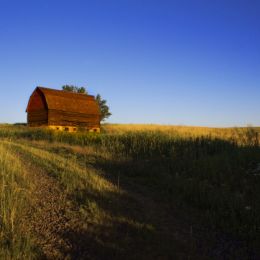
x: 133, y: 192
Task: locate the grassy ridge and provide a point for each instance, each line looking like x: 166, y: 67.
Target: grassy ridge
x: 207, y: 177
x: 242, y: 136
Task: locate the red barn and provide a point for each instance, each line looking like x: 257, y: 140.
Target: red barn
x: 63, y: 110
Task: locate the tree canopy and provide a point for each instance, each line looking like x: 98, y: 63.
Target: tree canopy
x: 104, y: 108
x: 75, y: 89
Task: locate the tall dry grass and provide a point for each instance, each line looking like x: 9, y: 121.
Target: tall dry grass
x: 15, y: 243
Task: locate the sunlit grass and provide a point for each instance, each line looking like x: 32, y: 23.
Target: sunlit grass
x: 15, y: 243
x: 181, y: 131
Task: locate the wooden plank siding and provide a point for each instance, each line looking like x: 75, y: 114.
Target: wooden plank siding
x: 37, y: 118
x: 48, y: 107
x: 57, y: 117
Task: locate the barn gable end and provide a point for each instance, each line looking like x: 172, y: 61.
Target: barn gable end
x: 37, y: 101
x: 37, y: 111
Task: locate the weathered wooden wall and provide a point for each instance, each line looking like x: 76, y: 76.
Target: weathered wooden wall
x: 57, y: 117
x: 37, y: 118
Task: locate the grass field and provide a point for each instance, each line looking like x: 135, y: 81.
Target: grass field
x: 133, y: 192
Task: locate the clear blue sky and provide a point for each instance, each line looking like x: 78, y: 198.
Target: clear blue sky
x: 191, y: 62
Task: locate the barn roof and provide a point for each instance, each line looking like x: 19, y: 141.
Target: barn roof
x: 69, y: 101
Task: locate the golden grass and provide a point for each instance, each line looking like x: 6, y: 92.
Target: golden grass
x: 71, y: 175
x: 14, y: 195
x: 182, y: 131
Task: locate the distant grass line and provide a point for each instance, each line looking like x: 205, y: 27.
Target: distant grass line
x: 180, y: 131
x: 113, y: 134
x: 15, y: 242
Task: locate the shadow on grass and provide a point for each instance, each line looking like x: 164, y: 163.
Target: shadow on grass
x: 213, y: 191
x: 198, y: 196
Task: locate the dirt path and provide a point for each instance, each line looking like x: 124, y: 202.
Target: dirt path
x: 53, y: 220
x: 46, y: 219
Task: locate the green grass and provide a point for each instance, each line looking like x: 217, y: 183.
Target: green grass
x: 141, y: 183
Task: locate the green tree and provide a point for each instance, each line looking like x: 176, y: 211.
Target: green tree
x: 75, y: 89
x: 104, y: 108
